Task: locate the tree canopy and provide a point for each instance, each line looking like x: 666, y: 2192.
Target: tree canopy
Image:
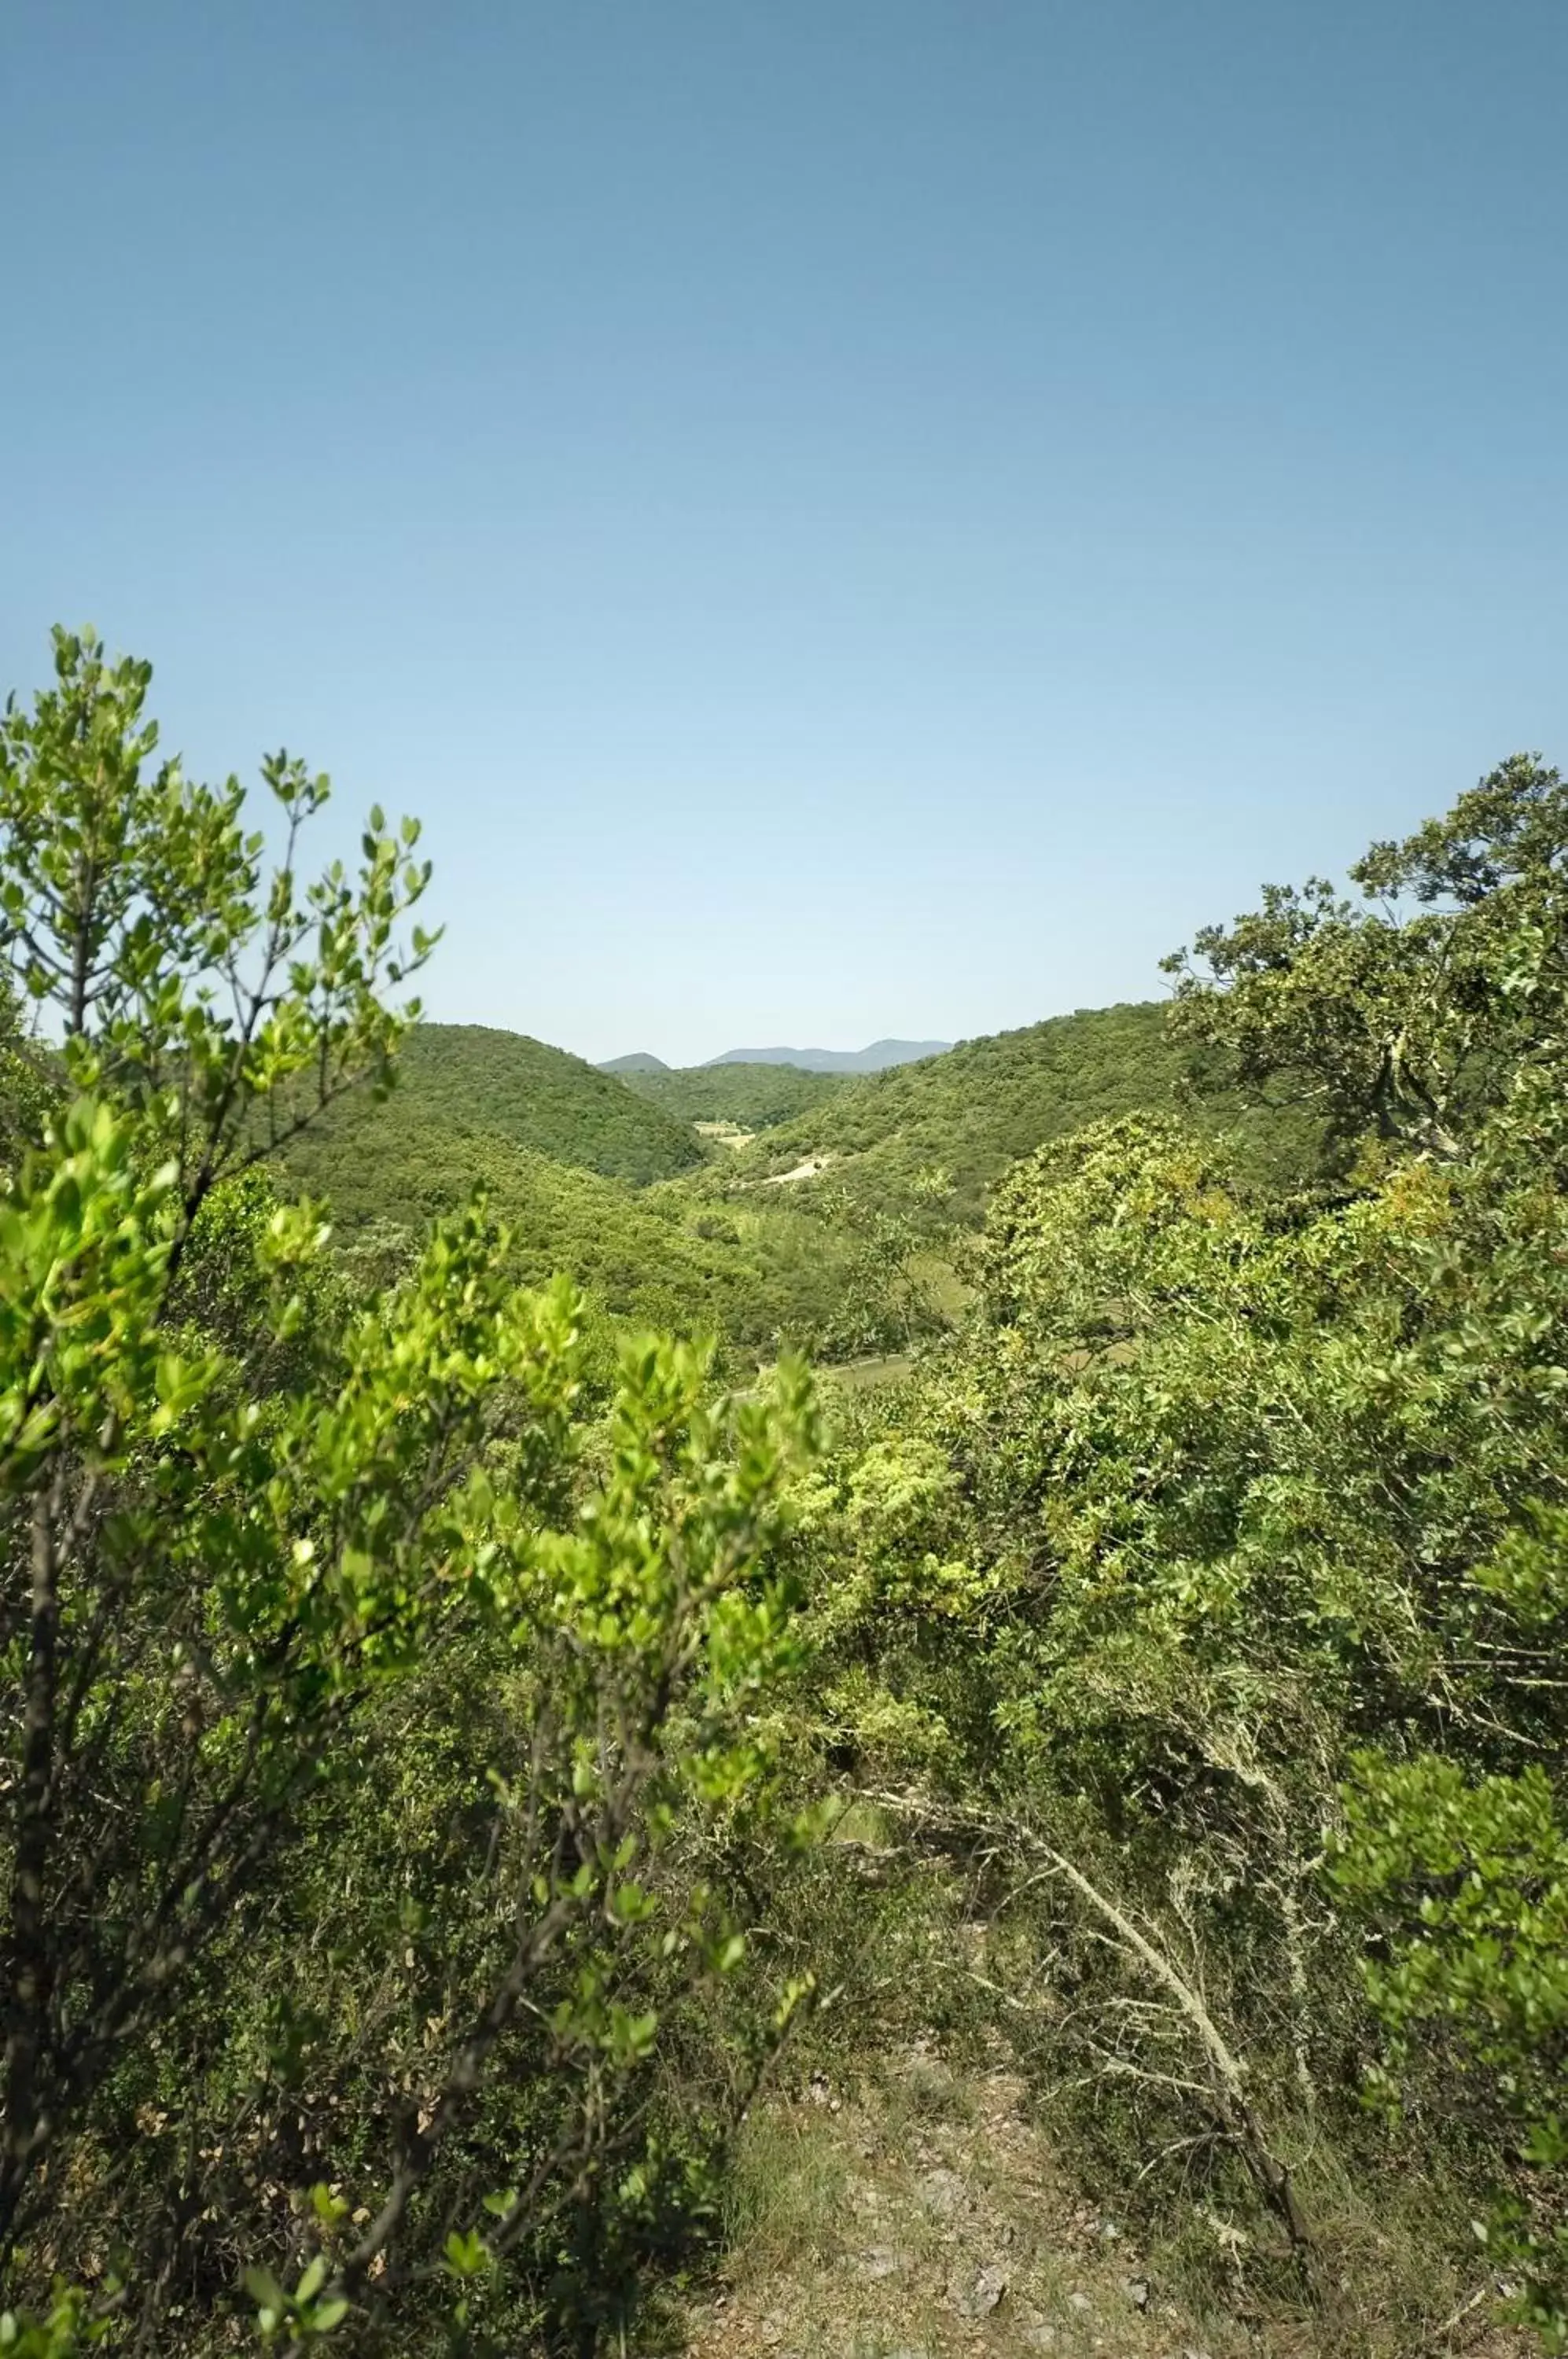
x: 439, y: 1702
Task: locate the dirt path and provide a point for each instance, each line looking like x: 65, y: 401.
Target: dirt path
x: 923, y: 2219
x: 806, y: 1171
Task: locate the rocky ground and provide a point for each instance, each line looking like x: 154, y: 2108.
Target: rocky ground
x: 921, y: 2217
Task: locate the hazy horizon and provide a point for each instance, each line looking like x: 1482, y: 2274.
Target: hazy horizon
x: 780, y: 1051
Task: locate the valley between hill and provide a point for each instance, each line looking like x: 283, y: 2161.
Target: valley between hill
x: 534, y: 1821
x: 621, y: 1181
x: 831, y: 1214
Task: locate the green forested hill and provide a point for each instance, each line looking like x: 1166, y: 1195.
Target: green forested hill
x: 754, y: 1097
x: 468, y: 1078
x: 567, y: 1153
x: 976, y: 1109
x: 634, y: 1254
x: 567, y: 1156
x: 758, y: 1274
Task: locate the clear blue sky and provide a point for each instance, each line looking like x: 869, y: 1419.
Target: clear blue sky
x: 845, y: 517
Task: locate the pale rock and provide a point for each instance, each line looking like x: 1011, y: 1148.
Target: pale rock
x: 879, y: 2261
x: 943, y: 2194
x: 975, y: 2293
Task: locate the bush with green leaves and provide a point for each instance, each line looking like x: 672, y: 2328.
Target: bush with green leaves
x: 368, y: 1698
x: 1226, y: 1544
x: 1465, y: 1878
x: 422, y: 1687
x: 1408, y: 1010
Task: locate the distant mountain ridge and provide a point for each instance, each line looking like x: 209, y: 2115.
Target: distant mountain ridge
x: 877, y: 1059
x: 640, y: 1062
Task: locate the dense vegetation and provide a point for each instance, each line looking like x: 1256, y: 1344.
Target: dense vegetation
x: 468, y: 1081
x: 973, y: 1112
x: 428, y: 1698
x: 564, y: 1153
x: 751, y: 1097
x: 754, y: 1281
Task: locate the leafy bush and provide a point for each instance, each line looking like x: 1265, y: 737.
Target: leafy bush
x: 368, y: 1700
x: 1216, y: 1604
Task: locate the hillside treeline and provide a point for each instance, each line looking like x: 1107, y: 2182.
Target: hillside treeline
x: 749, y: 1097
x: 435, y: 1703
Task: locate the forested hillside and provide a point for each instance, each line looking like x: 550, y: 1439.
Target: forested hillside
x: 970, y: 1113
x: 522, y: 1834
x: 565, y: 1153
x: 656, y: 1257
x: 470, y: 1079
x: 751, y: 1097
x: 568, y: 1159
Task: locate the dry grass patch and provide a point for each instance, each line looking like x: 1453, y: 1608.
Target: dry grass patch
x: 918, y: 2216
